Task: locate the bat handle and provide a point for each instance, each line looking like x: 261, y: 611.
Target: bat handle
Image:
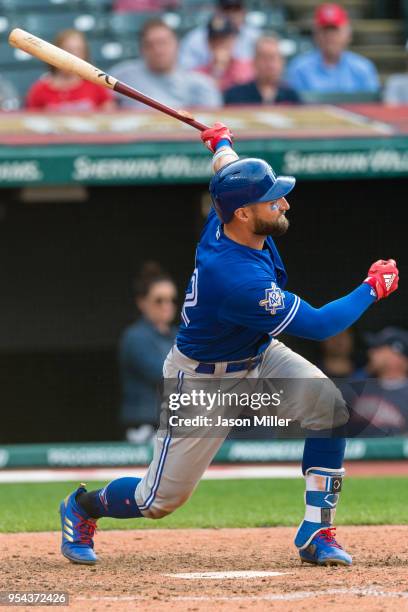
x: 195, y: 124
x: 138, y: 95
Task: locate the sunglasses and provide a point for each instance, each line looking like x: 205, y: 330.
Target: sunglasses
x: 160, y: 300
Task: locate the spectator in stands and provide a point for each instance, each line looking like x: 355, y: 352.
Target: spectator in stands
x: 195, y: 50
x: 223, y: 67
x: 158, y: 75
x: 64, y: 91
x: 130, y: 6
x: 267, y: 87
x: 396, y: 88
x: 384, y: 401
x: 337, y: 359
x: 331, y: 68
x: 143, y: 348
x: 9, y: 98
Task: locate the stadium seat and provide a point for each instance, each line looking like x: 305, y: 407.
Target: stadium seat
x: 106, y: 53
x: 6, y: 54
x: 48, y: 25
x: 173, y: 20
x: 192, y: 19
x: 270, y: 19
x: 23, y: 79
x: 24, y: 6
x: 127, y: 24
x: 197, y: 5
x: 15, y: 58
x: 5, y: 26
x: 315, y: 97
x: 96, y: 6
x: 294, y: 44
x: 130, y: 24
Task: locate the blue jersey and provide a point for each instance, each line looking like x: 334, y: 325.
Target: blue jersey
x: 235, y: 302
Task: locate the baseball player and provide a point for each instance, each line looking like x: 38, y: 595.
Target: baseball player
x: 235, y: 307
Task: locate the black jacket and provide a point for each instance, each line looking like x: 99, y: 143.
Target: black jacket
x: 248, y: 93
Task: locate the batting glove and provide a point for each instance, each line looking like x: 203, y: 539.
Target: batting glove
x: 383, y: 277
x: 215, y: 134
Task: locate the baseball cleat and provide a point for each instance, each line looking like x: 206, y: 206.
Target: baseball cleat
x: 324, y: 550
x: 78, y: 530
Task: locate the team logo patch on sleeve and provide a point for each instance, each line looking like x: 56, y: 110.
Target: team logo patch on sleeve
x: 274, y: 299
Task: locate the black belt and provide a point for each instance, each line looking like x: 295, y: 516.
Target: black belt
x: 232, y: 366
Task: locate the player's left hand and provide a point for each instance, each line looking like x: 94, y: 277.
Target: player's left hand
x: 214, y: 134
x: 383, y: 276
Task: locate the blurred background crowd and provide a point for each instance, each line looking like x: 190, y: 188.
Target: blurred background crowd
x: 210, y: 53
x: 372, y: 373
x: 190, y: 53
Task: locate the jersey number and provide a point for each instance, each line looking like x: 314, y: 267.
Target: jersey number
x: 191, y: 297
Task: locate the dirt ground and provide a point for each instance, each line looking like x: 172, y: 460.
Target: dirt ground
x: 136, y: 570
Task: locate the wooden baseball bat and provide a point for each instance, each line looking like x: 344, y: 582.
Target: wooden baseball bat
x: 63, y: 60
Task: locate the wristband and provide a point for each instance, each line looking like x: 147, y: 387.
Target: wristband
x: 224, y: 151
x: 224, y: 142
x: 371, y: 282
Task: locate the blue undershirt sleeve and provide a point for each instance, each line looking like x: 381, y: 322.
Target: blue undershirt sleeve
x: 223, y: 143
x: 334, y: 317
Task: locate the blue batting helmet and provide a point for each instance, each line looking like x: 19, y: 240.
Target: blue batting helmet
x: 245, y: 182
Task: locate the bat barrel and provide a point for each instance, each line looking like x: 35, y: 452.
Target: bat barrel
x: 59, y: 58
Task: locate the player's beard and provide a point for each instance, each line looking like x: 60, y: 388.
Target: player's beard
x: 271, y: 228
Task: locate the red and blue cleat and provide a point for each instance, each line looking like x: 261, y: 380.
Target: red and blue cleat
x: 324, y: 550
x: 78, y: 530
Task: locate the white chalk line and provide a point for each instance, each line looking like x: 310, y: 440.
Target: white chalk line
x: 88, y: 474
x: 225, y: 575
x: 366, y: 592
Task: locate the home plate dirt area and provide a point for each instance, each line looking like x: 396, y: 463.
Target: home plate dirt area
x: 221, y: 569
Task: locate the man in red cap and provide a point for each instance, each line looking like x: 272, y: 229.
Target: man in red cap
x: 331, y: 68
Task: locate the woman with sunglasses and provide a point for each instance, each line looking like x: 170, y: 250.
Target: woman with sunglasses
x: 143, y: 349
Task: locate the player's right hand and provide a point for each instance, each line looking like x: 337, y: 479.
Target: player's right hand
x: 214, y: 134
x: 383, y: 276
